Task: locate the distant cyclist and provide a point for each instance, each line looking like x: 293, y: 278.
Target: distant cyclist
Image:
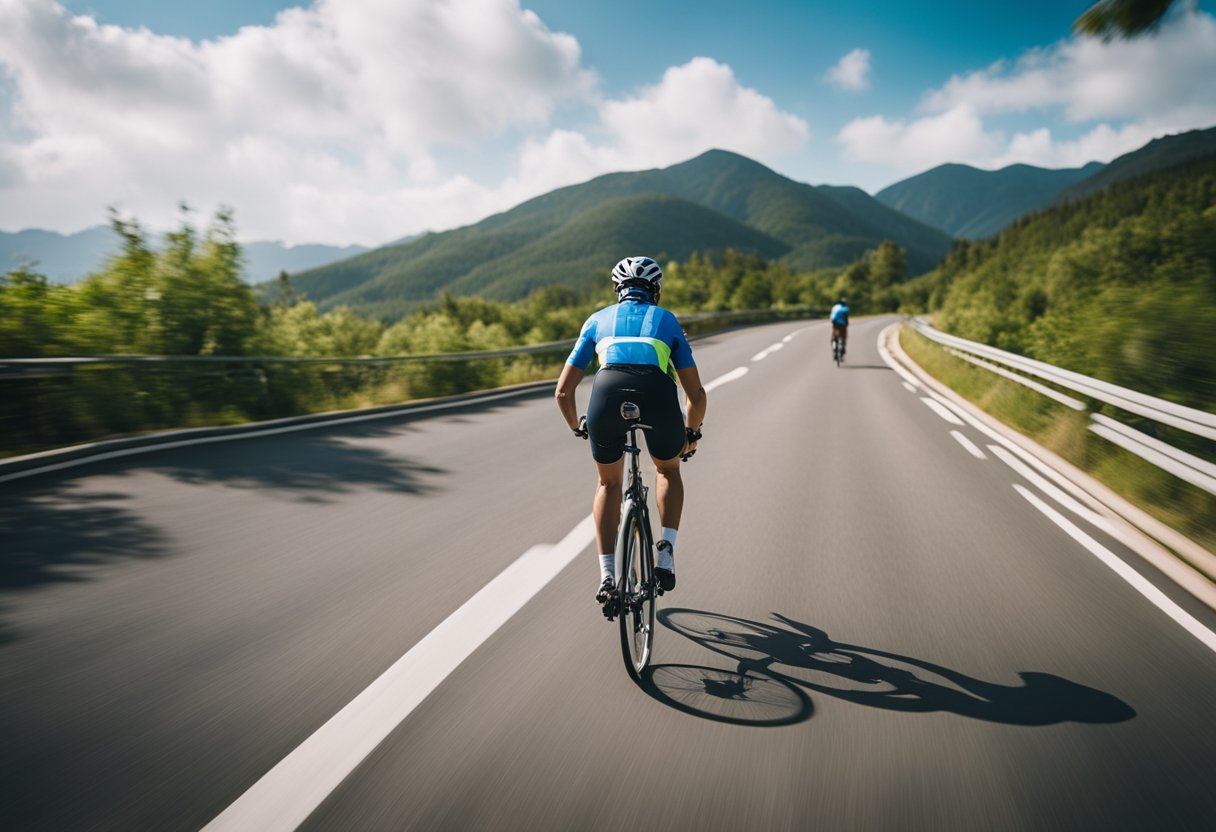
x: 839, y: 316
x: 642, y: 352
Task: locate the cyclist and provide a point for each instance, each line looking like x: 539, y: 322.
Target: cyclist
x: 839, y: 316
x: 642, y: 352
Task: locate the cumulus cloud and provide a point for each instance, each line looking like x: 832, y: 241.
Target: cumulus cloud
x: 852, y: 72
x: 330, y: 115
x: 695, y: 107
x: 956, y: 135
x: 1120, y: 94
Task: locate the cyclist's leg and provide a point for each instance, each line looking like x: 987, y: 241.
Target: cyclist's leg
x: 607, y: 506
x: 669, y: 491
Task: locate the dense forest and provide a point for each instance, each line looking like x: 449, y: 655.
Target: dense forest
x: 1120, y: 285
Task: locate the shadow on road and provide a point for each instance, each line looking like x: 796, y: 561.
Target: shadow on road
x: 315, y: 467
x: 724, y: 696
x: 61, y: 534
x: 848, y: 366
x: 806, y: 657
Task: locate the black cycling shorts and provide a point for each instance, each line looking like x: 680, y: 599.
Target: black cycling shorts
x: 651, y: 390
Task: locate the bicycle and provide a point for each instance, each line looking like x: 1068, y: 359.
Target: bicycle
x: 837, y: 349
x: 637, y: 589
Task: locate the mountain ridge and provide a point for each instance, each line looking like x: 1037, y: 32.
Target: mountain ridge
x: 748, y: 206
x: 64, y: 258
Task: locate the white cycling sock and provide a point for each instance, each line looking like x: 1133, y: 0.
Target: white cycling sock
x: 607, y: 566
x: 666, y: 554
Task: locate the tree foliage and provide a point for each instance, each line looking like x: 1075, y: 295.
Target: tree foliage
x: 1120, y: 285
x: 1121, y: 18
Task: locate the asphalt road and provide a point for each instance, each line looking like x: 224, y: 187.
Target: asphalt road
x: 872, y: 629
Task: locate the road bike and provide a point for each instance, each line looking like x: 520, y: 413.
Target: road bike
x: 837, y: 349
x: 637, y: 590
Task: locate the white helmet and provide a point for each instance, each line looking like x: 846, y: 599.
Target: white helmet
x: 637, y: 272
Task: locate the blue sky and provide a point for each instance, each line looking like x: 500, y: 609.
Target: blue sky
x: 360, y: 121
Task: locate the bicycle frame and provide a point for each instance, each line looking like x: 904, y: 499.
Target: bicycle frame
x: 636, y: 599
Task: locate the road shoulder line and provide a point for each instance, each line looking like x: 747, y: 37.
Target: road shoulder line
x: 1142, y: 533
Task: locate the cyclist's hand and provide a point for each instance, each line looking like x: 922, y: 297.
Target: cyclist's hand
x: 581, y: 430
x: 691, y: 438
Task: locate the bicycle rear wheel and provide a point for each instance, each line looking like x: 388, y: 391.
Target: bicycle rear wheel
x: 636, y: 588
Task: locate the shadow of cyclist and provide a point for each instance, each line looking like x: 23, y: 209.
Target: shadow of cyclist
x: 805, y: 656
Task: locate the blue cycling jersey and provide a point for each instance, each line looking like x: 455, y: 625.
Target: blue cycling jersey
x: 839, y: 315
x: 633, y: 331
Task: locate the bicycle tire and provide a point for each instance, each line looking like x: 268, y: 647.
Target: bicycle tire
x: 636, y: 590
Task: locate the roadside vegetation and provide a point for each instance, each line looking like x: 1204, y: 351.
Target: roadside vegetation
x: 1190, y: 510
x: 185, y: 297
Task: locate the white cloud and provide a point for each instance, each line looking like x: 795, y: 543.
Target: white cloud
x: 345, y: 97
x: 695, y: 107
x: 1121, y: 94
x: 1158, y: 77
x: 327, y: 126
x: 852, y: 72
x: 956, y: 135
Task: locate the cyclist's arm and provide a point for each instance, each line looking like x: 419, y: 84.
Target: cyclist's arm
x: 566, y: 383
x: 690, y: 380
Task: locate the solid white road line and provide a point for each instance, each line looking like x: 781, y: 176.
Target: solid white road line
x: 890, y: 361
x: 1052, y: 491
x: 292, y: 790
x: 725, y: 378
x: 1138, y: 582
x: 968, y: 444
x: 942, y: 411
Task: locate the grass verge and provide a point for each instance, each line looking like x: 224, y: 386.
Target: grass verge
x: 1190, y: 510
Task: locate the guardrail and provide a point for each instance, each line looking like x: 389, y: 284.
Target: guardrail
x: 1180, y: 463
x: 52, y: 402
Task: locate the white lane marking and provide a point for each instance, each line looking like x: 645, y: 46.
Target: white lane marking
x: 1052, y: 491
x: 252, y: 434
x: 767, y: 351
x: 890, y: 361
x: 908, y: 387
x: 944, y: 412
x: 1138, y: 582
x: 968, y: 444
x: 292, y: 790
x: 737, y: 373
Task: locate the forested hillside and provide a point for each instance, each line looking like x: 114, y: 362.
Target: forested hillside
x: 1158, y: 154
x: 1120, y: 285
x: 973, y: 203
x: 572, y: 236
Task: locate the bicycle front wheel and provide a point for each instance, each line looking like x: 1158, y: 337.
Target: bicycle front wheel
x: 636, y: 587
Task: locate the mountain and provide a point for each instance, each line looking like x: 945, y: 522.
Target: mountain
x: 67, y: 257
x: 1158, y: 154
x: 1117, y: 285
x: 573, y: 235
x: 972, y: 203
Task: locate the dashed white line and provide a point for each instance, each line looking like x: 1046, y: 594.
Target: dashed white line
x: 910, y: 388
x: 767, y: 351
x: 1138, y: 582
x: 938, y: 408
x: 968, y: 444
x: 737, y: 373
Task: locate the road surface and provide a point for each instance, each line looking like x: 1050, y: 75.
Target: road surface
x: 873, y: 629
